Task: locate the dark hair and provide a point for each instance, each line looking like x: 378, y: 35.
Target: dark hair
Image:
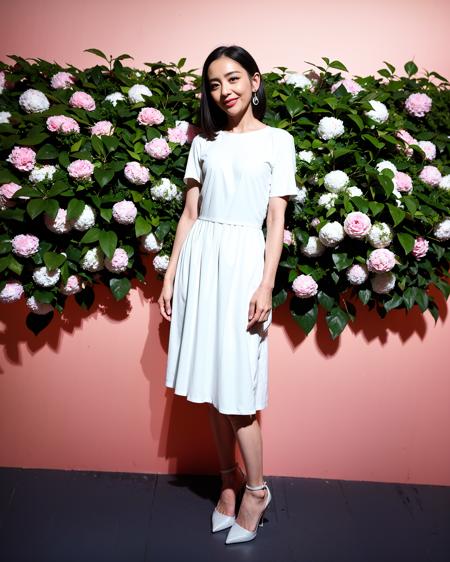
x: 212, y: 118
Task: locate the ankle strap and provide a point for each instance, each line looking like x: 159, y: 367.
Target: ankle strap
x: 263, y: 485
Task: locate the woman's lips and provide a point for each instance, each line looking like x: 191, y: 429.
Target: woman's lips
x: 231, y: 102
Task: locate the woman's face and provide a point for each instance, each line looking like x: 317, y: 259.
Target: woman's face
x: 228, y: 80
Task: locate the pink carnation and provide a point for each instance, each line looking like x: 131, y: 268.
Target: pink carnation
x: 177, y: 134
x: 136, y: 173
x: 22, y: 158
x: 62, y: 80
x: 11, y: 292
x: 62, y: 124
x: 124, y: 212
x: 119, y: 261
x: 80, y: 169
x: 25, y: 245
x: 418, y: 104
x: 102, y: 128
x: 357, y: 225
x: 420, y: 247
x: 430, y: 175
x: 82, y: 100
x: 350, y: 85
x: 381, y: 260
x: 7, y: 190
x: 158, y: 148
x: 403, y: 182
x: 150, y: 116
x: 304, y: 286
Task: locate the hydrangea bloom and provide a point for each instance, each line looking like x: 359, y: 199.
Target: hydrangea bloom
x: 442, y: 229
x: 403, y: 135
x: 150, y: 244
x: 298, y: 80
x: 431, y: 176
x: 385, y: 164
x: 357, y: 274
x: 72, y: 286
x: 330, y: 128
x: 357, y: 225
x: 115, y: 97
x: 331, y: 234
x: 25, y: 245
x: 160, y: 263
x: 306, y: 156
x: 420, y: 247
x: 301, y: 195
x: 136, y: 173
x: 157, y: 148
x: 150, y: 116
x: 287, y: 237
x: 62, y: 80
x: 7, y: 190
x: 60, y: 224
x: 165, y: 190
x: 327, y: 200
x: 102, y: 128
x: 177, y: 135
x: 82, y: 100
x: 119, y: 261
x: 380, y: 235
x: 304, y: 286
x: 86, y: 220
x: 80, y: 169
x: 418, y: 105
x: 4, y: 116
x: 38, y: 307
x: 335, y: 181
x: 381, y: 260
x: 383, y: 282
x: 33, y: 101
x: 22, y: 158
x: 445, y: 182
x: 45, y: 277
x: 11, y: 292
x: 379, y: 112
x: 42, y: 173
x: 429, y: 148
x: 350, y: 85
x: 353, y: 191
x: 136, y: 93
x: 124, y: 212
x: 62, y: 124
x: 403, y: 182
x: 313, y: 248
x: 93, y: 260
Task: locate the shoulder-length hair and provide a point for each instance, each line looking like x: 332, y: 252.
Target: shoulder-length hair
x: 212, y: 118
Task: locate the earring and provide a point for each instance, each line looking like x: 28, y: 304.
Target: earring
x: 255, y: 99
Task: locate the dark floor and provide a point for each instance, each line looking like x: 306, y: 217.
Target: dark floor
x: 62, y: 516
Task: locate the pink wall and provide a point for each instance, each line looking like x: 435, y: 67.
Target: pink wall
x: 88, y: 393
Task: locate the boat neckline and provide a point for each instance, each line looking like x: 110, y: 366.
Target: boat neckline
x: 246, y: 132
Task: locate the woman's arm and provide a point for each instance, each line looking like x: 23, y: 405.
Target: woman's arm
x: 274, y: 239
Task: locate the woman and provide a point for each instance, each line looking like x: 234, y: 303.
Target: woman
x: 222, y: 272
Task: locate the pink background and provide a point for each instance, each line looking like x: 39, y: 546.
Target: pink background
x: 88, y: 392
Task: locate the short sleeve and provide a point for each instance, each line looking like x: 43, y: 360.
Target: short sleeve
x: 193, y: 165
x: 284, y: 166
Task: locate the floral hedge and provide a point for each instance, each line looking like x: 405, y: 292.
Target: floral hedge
x: 91, y: 174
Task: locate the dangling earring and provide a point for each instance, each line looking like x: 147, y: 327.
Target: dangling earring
x: 255, y: 99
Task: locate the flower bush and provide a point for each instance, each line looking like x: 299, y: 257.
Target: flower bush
x: 91, y: 184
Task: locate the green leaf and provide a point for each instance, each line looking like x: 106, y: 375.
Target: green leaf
x: 406, y: 240
x: 356, y: 119
x: 103, y: 175
x: 307, y: 320
x: 35, y: 207
x: 97, y: 145
x: 364, y: 295
x: 4, y: 262
x: 279, y: 298
x: 91, y: 235
x: 394, y: 302
x: 53, y: 260
x: 47, y: 152
x: 97, y: 52
x: 75, y: 208
x: 397, y: 214
x: 142, y: 226
x: 342, y: 261
x: 43, y: 296
x: 119, y: 287
x: 293, y: 105
x: 51, y: 207
x: 376, y: 143
x: 409, y: 297
x: 108, y: 242
x: 338, y: 64
x: 325, y: 300
x: 337, y: 319
x: 410, y: 68
x: 15, y: 266
x: 422, y: 299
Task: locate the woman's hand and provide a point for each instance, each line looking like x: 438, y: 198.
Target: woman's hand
x: 260, y: 306
x: 165, y: 298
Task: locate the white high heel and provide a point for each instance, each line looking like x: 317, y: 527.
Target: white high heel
x: 240, y: 534
x: 220, y: 521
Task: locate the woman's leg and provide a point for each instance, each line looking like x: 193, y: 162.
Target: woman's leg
x: 248, y: 433
x: 225, y: 439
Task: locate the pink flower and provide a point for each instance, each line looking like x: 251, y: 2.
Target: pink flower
x: 124, y: 212
x: 119, y: 261
x: 429, y: 148
x: 177, y: 134
x: 72, y: 286
x: 62, y: 80
x: 80, y: 169
x: 287, y: 237
x: 102, y: 128
x: 304, y: 286
x: 187, y: 86
x: 418, y: 104
x: 381, y: 260
x: 11, y: 292
x: 22, y: 158
x: 350, y: 85
x: 430, y: 175
x: 82, y: 100
x: 403, y: 182
x: 420, y: 247
x: 357, y: 225
x: 7, y: 190
x: 150, y: 116
x: 62, y: 124
x: 315, y: 222
x: 136, y: 173
x: 157, y: 148
x: 403, y: 135
x: 60, y: 224
x: 25, y: 245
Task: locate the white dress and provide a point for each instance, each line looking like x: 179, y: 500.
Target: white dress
x: 212, y: 357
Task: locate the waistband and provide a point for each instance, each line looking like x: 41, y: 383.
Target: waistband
x: 234, y: 223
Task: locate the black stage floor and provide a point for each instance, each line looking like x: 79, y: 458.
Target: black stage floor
x: 81, y: 516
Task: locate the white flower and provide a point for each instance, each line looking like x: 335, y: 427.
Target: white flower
x: 330, y: 128
x: 60, y: 224
x: 33, y: 101
x: 445, y: 182
x: 357, y: 274
x: 383, y: 282
x: 301, y: 195
x: 380, y: 235
x: 336, y: 181
x: 442, y: 229
x: 136, y: 92
x: 165, y: 190
x: 429, y: 148
x: 45, y: 277
x: 150, y: 244
x: 4, y: 117
x: 115, y: 97
x: 313, y: 248
x: 379, y: 113
x: 327, y: 200
x: 331, y: 234
x: 306, y: 155
x: 160, y: 263
x: 385, y: 164
x: 11, y: 292
x: 353, y: 191
x: 41, y: 173
x: 298, y: 80
x: 93, y: 260
x: 38, y: 307
x: 86, y: 220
